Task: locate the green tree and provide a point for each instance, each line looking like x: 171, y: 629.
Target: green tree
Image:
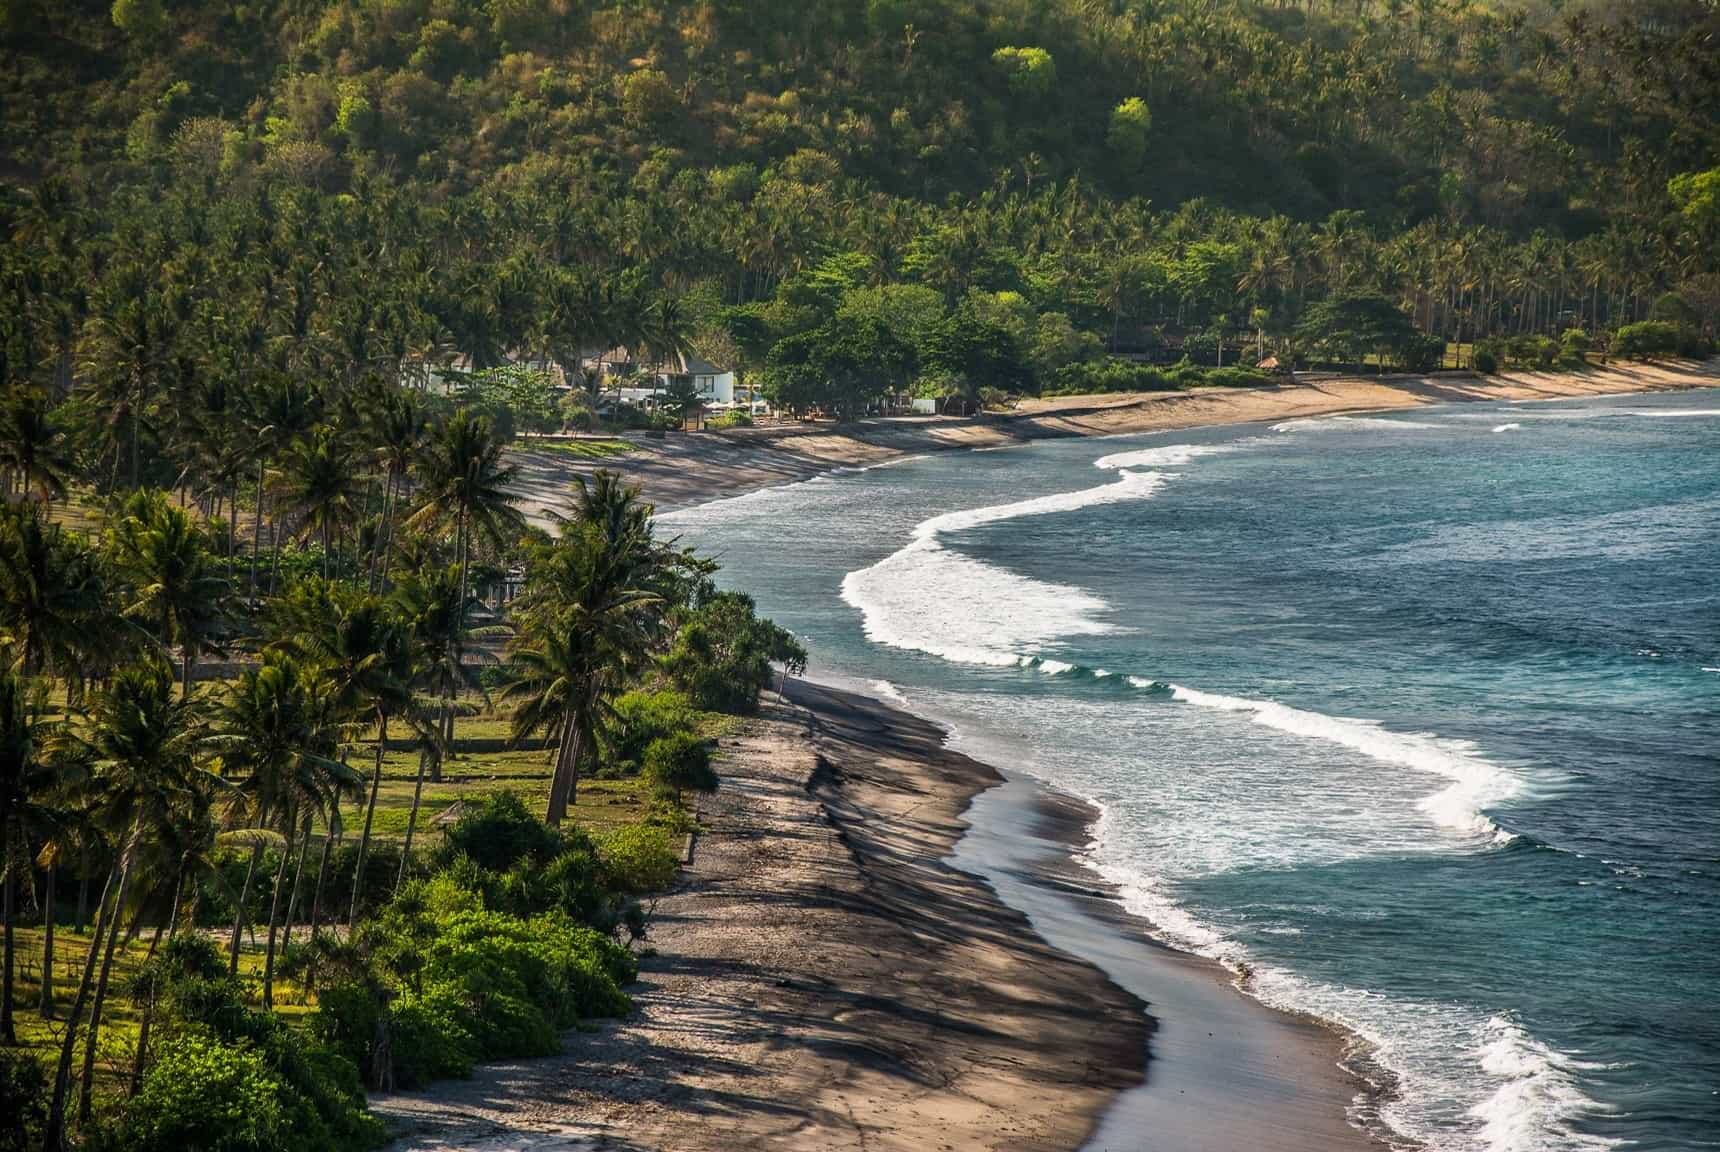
x: 172, y: 586
x: 1130, y: 128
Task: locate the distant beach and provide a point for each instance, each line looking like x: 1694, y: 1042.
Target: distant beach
x: 686, y: 469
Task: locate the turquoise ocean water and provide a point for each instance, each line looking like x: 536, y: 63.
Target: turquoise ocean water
x: 1417, y: 715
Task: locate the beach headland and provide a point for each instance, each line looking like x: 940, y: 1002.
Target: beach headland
x: 824, y: 978
x: 686, y: 469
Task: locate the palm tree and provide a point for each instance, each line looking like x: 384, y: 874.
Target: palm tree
x: 466, y: 483
x: 24, y: 782
x: 282, y: 410
x: 174, y: 587
x: 31, y: 446
x: 319, y: 484
x: 140, y: 747
x: 361, y: 650
x: 430, y: 610
x: 274, y: 738
x: 53, y: 598
x: 595, y: 602
x: 398, y: 427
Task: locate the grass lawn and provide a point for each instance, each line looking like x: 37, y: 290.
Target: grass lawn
x: 598, y: 805
x: 583, y: 449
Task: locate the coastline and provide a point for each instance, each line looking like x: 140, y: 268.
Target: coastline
x: 881, y: 1034
x: 826, y: 978
x: 699, y: 467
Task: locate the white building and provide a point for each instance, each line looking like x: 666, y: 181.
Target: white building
x: 646, y: 379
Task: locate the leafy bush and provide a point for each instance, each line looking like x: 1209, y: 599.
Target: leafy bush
x: 1484, y: 359
x: 680, y: 762
x: 639, y: 859
x: 1235, y: 378
x: 217, y: 1062
x: 1646, y: 340
x: 497, y: 832
x: 637, y: 718
x: 1093, y: 377
x: 23, y: 1101
x: 428, y: 1038
x: 450, y: 982
x: 202, y: 1093
x: 722, y: 655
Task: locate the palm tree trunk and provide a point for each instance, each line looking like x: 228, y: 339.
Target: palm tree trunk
x: 322, y: 865
x: 86, y: 1090
x: 298, y: 881
x: 369, y: 815
x: 274, y: 922
x: 558, y: 786
x: 257, y: 530
x: 47, y: 1005
x: 54, y: 1132
x: 424, y: 755
x: 244, y: 899
x: 8, y: 1034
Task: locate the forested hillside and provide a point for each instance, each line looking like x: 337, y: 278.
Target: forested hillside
x: 846, y: 196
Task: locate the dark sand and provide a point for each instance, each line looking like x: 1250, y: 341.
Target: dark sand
x: 826, y: 979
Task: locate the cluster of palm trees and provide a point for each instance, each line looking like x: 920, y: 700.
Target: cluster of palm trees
x: 110, y: 756
x: 598, y: 603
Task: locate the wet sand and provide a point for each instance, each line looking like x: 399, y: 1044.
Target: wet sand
x: 1225, y: 1072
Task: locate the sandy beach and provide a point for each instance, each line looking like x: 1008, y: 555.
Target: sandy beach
x: 685, y: 469
x: 824, y: 978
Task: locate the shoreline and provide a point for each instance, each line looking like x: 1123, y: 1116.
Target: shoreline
x: 1225, y: 1069
x: 827, y: 978
x: 909, y: 814
x: 696, y: 468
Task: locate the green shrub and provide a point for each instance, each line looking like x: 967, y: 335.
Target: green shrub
x: 1646, y: 340
x: 639, y: 859
x: 23, y: 1101
x: 1484, y: 358
x: 1103, y: 375
x: 497, y: 832
x: 639, y: 717
x: 680, y: 762
x: 428, y: 1038
x: 1233, y: 377
x: 722, y: 654
x: 201, y: 1093
x: 317, y: 1091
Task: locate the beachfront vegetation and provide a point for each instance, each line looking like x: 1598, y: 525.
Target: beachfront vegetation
x: 222, y: 735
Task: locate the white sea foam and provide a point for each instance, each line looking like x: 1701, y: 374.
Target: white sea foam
x: 1339, y: 423
x: 1536, y: 1092
x: 1163, y: 456
x: 1507, y: 427
x: 1465, y: 1081
x: 890, y: 692
x: 1475, y: 782
x: 931, y: 599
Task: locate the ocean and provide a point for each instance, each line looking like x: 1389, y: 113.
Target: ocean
x: 1416, y: 716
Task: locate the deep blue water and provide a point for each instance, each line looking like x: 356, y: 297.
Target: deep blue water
x: 1418, y: 715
